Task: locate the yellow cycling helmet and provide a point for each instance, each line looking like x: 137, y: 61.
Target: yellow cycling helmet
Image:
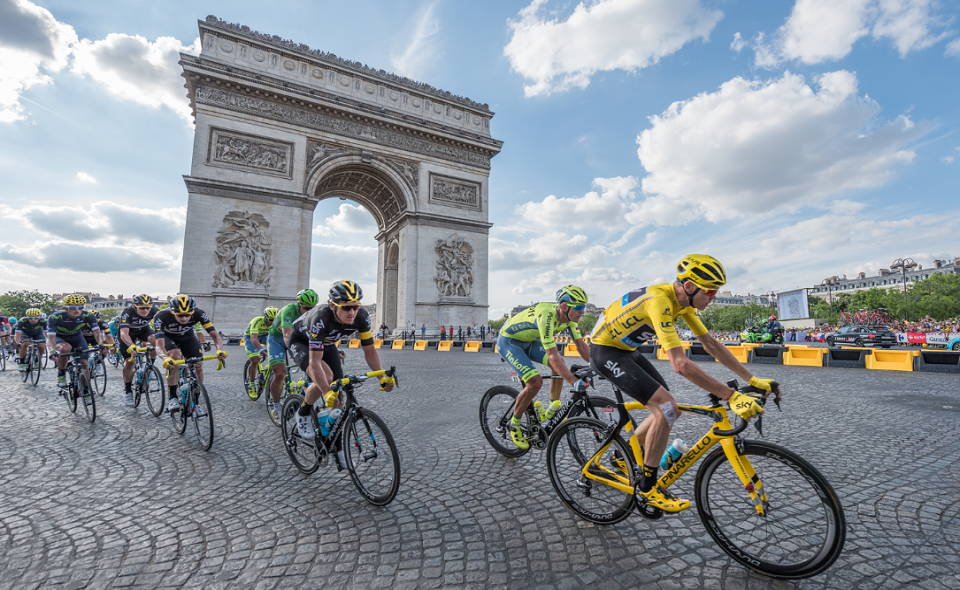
x: 702, y: 270
x: 142, y: 300
x: 270, y: 313
x: 74, y: 300
x: 345, y: 292
x: 183, y: 304
x: 33, y: 312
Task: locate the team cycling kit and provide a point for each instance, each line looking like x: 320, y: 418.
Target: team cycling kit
x: 527, y: 336
x: 638, y: 316
x: 258, y: 326
x: 35, y: 332
x: 318, y: 329
x: 68, y: 329
x: 139, y: 327
x: 182, y: 336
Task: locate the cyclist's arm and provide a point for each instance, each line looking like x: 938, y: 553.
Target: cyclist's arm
x: 720, y: 352
x: 560, y: 367
x: 694, y: 374
x: 286, y: 335
x: 255, y: 341
x: 316, y: 371
x: 583, y: 348
x: 217, y: 339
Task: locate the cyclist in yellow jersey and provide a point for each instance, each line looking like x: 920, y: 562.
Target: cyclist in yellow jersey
x: 649, y: 313
x: 528, y: 337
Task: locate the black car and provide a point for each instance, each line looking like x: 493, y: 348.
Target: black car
x: 862, y: 336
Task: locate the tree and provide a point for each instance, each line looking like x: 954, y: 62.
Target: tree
x: 16, y: 303
x: 497, y: 324
x: 109, y: 313
x: 733, y: 318
x: 586, y: 323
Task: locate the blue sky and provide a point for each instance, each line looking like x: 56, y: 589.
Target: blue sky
x: 793, y: 141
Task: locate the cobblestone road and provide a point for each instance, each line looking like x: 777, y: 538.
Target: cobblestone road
x: 125, y: 502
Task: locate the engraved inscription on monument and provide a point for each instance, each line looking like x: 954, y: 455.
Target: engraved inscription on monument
x: 250, y: 153
x: 454, y: 192
x: 243, y: 252
x: 454, y: 267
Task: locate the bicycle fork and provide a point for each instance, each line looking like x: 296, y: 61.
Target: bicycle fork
x: 732, y: 448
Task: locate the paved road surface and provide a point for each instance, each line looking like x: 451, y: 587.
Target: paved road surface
x: 127, y: 503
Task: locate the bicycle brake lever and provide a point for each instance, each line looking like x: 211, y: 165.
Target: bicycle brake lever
x: 758, y: 424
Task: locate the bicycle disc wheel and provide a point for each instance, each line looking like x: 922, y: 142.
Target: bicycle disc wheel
x: 154, y: 388
x: 302, y: 451
x: 804, y: 529
x: 98, y: 377
x: 33, y: 365
x: 588, y: 498
x: 255, y: 392
x: 496, y: 410
x: 202, y: 413
x: 88, y: 397
x: 372, y: 458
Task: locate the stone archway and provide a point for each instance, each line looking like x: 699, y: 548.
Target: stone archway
x: 280, y: 127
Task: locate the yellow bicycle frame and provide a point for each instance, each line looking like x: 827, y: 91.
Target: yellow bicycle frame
x: 592, y: 469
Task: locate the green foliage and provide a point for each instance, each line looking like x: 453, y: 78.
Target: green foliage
x: 586, y: 323
x: 110, y: 313
x: 497, y: 324
x: 733, y: 318
x: 16, y: 303
x: 937, y: 297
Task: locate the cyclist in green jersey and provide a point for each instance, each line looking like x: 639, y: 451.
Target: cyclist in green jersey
x: 278, y: 338
x: 257, y: 329
x: 529, y: 336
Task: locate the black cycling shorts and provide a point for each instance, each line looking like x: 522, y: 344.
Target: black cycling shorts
x: 628, y: 370
x: 75, y: 340
x: 188, y: 345
x: 136, y: 336
x: 331, y: 356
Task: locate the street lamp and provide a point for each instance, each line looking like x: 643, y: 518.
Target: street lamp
x: 904, y: 264
x: 828, y: 283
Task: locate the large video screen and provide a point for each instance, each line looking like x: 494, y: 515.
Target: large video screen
x: 793, y: 305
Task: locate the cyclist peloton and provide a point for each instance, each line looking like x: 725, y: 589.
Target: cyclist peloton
x: 63, y: 332
x: 176, y: 339
x: 6, y: 329
x: 651, y: 312
x: 135, y: 327
x: 30, y: 328
x: 313, y: 344
x: 104, y: 332
x: 529, y: 336
x: 278, y: 336
x: 258, y: 328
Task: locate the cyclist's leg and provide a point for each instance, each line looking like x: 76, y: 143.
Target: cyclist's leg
x: 277, y: 353
x: 516, y: 353
x: 251, y: 355
x: 190, y: 347
x: 128, y: 364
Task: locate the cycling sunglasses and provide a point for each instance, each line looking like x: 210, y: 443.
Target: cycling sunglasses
x: 576, y: 307
x: 144, y: 306
x: 73, y: 307
x: 351, y: 307
x: 183, y: 315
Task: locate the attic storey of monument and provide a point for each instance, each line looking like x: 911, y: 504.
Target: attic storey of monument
x: 280, y: 127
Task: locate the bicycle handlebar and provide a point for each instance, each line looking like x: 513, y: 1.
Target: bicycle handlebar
x: 195, y: 360
x: 749, y: 390
x: 391, y: 372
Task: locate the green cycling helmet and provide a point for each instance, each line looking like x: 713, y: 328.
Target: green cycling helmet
x: 572, y: 295
x: 308, y: 298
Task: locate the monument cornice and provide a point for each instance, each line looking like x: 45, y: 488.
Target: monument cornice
x: 212, y: 71
x: 230, y: 190
x: 432, y: 220
x: 301, y: 50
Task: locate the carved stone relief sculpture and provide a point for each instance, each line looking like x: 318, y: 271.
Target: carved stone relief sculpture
x: 454, y: 267
x: 245, y: 152
x: 454, y: 193
x: 243, y: 251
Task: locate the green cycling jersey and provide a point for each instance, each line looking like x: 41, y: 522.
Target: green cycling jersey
x: 257, y: 326
x: 284, y: 319
x: 539, y: 322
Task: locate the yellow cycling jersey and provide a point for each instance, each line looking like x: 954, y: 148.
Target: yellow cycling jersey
x: 645, y: 314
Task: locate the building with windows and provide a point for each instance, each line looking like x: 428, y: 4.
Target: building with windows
x: 728, y: 298
x: 885, y: 279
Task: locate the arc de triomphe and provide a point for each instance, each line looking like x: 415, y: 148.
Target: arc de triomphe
x: 280, y: 127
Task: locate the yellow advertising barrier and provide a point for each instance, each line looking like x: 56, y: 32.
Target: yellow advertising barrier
x: 377, y: 343
x: 662, y: 354
x: 444, y: 345
x: 356, y: 344
x: 799, y: 356
x: 398, y: 344
x: 472, y: 346
x: 740, y: 352
x: 420, y: 345
x: 495, y: 350
x: 891, y: 360
x: 571, y: 350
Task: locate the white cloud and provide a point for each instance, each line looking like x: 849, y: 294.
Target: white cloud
x: 953, y: 48
x: 133, y: 68
x: 33, y: 44
x: 350, y: 219
x: 87, y: 257
x: 554, y: 248
x: 103, y: 221
x: 84, y: 178
x: 822, y: 30
x: 334, y: 262
x: 605, y: 209
x: 753, y: 147
x: 421, y: 49
x: 738, y: 42
x: 601, y: 35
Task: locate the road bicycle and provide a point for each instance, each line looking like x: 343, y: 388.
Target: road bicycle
x: 194, y: 401
x: 32, y: 367
x: 78, y: 386
x: 114, y: 357
x: 371, y: 456
x: 496, y: 411
x: 5, y: 351
x: 147, y: 381
x: 260, y: 381
x: 290, y: 387
x: 770, y: 510
x: 98, y: 371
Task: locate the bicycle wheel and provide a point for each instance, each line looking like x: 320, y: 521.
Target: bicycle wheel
x: 46, y: 358
x: 202, y: 413
x: 303, y: 452
x: 372, y: 458
x: 179, y: 417
x: 804, y: 529
x: 98, y: 376
x: 25, y: 374
x: 255, y: 392
x: 590, y: 499
x: 88, y: 397
x: 33, y: 366
x: 154, y: 387
x: 496, y: 410
x: 3, y: 358
x: 70, y: 394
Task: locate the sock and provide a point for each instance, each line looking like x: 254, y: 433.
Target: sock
x: 649, y: 478
x: 61, y: 372
x: 173, y: 391
x: 515, y: 421
x: 128, y: 386
x: 23, y: 360
x: 304, y: 409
